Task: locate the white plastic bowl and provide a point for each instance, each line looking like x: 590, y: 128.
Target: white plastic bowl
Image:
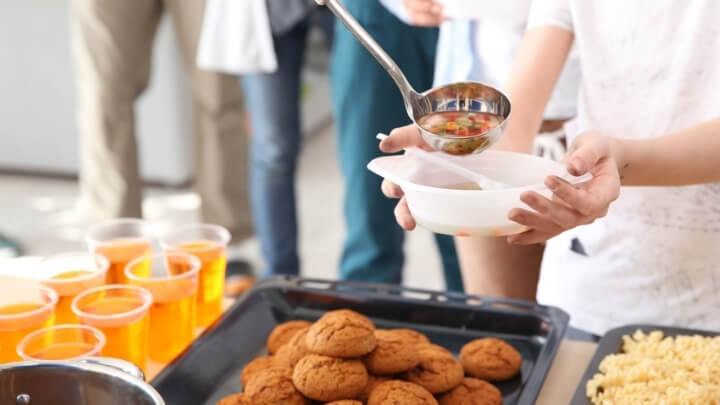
x: 468, y: 212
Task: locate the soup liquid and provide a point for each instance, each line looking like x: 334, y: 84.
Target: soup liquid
x: 9, y: 337
x: 119, y: 253
x: 63, y: 309
x: 127, y: 341
x: 459, y: 123
x: 211, y: 280
x: 464, y: 186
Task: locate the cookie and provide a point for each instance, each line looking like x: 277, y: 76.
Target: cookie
x: 393, y: 354
x: 438, y: 370
x: 372, y: 382
x: 290, y: 353
x: 252, y: 368
x: 400, y: 392
x: 490, y: 359
x: 235, y: 399
x: 274, y: 386
x: 472, y: 391
x: 345, y: 402
x: 282, y: 334
x: 342, y: 333
x: 412, y: 335
x: 324, y: 378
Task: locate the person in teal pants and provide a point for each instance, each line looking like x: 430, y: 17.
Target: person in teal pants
x: 365, y: 102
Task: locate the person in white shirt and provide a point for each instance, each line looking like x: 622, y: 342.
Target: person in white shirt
x: 649, y: 68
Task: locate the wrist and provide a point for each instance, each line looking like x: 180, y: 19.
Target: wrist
x: 619, y: 150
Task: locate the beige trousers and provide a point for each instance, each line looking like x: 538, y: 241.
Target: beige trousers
x: 112, y: 45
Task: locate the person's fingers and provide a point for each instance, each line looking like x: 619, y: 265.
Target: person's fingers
x: 429, y: 8
x: 391, y: 190
x: 575, y: 197
x: 403, y: 216
x: 556, y: 211
x: 401, y: 138
x: 583, y: 158
x: 534, y: 220
x: 531, y: 237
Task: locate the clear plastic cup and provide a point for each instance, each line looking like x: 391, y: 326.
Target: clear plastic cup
x: 208, y: 243
x: 62, y: 342
x: 19, y: 319
x: 173, y: 282
x: 120, y: 312
x: 69, y: 274
x: 120, y: 241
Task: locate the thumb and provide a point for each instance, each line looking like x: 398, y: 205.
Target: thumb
x: 583, y: 158
x: 401, y: 138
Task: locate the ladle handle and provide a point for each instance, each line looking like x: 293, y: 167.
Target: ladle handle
x: 408, y: 93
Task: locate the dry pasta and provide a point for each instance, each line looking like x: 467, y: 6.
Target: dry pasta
x: 658, y: 370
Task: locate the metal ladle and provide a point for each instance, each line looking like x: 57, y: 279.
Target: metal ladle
x: 460, y: 97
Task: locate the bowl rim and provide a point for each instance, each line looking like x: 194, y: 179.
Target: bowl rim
x: 373, y: 167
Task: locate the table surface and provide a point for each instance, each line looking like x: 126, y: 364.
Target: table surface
x: 565, y: 373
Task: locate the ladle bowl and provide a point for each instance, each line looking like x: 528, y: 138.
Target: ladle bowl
x: 455, y: 97
x: 464, y: 97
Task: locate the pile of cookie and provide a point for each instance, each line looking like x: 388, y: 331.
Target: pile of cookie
x: 343, y: 360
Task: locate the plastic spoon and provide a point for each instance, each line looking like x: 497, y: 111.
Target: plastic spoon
x: 482, y: 181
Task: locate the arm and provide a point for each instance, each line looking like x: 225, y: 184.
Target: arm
x: 536, y: 68
x: 688, y: 156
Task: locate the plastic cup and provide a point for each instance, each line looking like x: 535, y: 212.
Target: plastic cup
x: 173, y: 283
x: 120, y: 241
x: 19, y: 319
x: 63, y: 342
x: 70, y: 274
x: 120, y: 312
x: 207, y: 243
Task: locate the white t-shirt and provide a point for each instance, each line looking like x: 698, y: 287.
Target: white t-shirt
x: 649, y: 67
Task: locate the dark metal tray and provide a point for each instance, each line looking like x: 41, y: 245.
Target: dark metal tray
x: 611, y: 343
x: 209, y: 369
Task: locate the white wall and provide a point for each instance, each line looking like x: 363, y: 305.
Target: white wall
x: 37, y: 121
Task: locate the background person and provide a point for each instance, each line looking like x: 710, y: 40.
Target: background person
x: 112, y: 44
x: 365, y: 102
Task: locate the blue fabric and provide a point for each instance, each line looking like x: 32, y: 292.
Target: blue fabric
x: 366, y: 101
x: 273, y: 105
x: 456, y: 58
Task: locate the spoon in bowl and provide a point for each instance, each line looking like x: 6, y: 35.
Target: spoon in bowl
x: 485, y: 183
x: 471, y: 97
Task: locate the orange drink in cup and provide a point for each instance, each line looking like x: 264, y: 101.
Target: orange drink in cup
x: 207, y: 243
x: 173, y: 282
x: 120, y: 241
x: 63, y: 342
x: 30, y: 308
x: 120, y: 312
x: 70, y: 274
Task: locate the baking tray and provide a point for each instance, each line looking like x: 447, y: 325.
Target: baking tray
x: 611, y: 343
x: 209, y: 369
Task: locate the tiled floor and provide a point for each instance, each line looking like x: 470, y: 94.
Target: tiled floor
x: 41, y: 214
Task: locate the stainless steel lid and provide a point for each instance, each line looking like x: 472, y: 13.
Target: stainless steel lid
x: 83, y: 382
